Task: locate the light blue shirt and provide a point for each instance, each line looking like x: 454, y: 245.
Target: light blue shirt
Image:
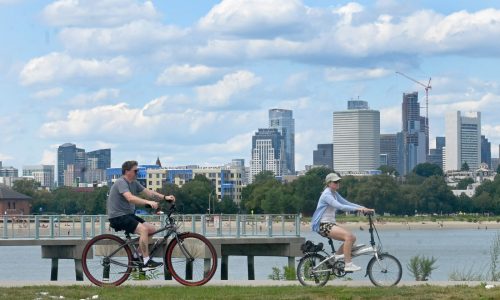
x: 329, y: 198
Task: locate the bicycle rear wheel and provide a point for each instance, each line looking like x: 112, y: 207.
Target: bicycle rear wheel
x: 386, y: 271
x: 306, y: 273
x: 106, y: 260
x: 191, y: 259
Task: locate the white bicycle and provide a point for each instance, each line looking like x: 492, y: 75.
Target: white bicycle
x: 316, y: 266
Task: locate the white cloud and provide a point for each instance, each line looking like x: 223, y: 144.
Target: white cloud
x: 390, y: 119
x: 100, y: 13
x: 5, y: 157
x: 95, y: 97
x: 59, y: 67
x: 166, y: 104
x: 137, y: 36
x: 48, y: 93
x: 49, y: 157
x: 185, y: 74
x: 253, y: 17
x: 348, y: 74
x: 231, y: 85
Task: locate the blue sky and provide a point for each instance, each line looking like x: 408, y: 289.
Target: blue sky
x: 191, y: 81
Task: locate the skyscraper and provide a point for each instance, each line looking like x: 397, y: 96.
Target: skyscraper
x: 485, y: 151
x: 436, y: 155
x: 323, y: 156
x: 282, y: 119
x: 463, y: 140
x: 414, y: 134
x: 267, y: 152
x: 388, y: 146
x: 69, y: 155
x: 356, y: 140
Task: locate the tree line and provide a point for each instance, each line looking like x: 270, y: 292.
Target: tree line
x: 423, y: 191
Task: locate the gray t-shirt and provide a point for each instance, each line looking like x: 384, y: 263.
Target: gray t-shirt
x: 117, y: 205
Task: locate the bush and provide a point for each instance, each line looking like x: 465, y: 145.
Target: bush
x: 288, y: 273
x: 421, y: 267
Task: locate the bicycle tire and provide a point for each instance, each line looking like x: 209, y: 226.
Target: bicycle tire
x: 386, y: 271
x: 96, y: 261
x: 203, y: 266
x: 307, y: 276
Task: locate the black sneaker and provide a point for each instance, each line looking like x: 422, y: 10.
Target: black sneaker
x: 136, y: 261
x: 151, y: 265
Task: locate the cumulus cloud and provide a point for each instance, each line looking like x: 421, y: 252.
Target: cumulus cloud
x: 135, y: 36
x: 348, y: 74
x: 185, y: 74
x: 100, y: 13
x: 5, y: 157
x: 60, y: 67
x: 95, y: 97
x: 48, y: 93
x: 231, y: 85
x: 254, y: 17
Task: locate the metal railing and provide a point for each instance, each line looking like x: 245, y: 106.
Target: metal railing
x: 88, y: 226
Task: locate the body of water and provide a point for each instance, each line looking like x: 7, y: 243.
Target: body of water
x: 454, y: 249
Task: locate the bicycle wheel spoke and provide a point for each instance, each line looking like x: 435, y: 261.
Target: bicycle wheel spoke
x: 104, y: 263
x: 193, y: 261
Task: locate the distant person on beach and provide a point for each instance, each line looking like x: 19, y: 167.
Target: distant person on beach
x: 323, y: 220
x: 121, y: 209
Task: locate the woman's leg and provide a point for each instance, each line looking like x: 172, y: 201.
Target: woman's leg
x: 341, y: 234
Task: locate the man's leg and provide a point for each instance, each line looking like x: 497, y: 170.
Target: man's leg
x: 144, y: 230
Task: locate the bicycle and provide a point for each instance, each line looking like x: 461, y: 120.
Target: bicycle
x: 316, y: 266
x: 189, y: 258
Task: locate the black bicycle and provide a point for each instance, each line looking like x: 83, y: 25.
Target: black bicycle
x: 189, y: 258
x: 316, y: 266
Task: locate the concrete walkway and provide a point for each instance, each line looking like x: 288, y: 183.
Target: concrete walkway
x: 157, y: 283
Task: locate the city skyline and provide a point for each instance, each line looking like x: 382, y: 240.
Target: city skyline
x: 191, y: 82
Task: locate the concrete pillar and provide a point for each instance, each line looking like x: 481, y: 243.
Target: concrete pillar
x: 251, y: 267
x: 224, y: 267
x: 78, y: 270
x: 53, y: 270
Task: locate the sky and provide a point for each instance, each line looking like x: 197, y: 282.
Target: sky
x: 191, y: 81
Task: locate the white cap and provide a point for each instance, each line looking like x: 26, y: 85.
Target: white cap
x: 332, y: 177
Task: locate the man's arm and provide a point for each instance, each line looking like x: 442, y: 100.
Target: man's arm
x: 153, y: 194
x: 139, y: 201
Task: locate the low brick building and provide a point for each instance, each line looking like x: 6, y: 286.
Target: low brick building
x: 14, y: 203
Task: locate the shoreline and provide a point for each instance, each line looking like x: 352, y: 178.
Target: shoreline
x: 484, y: 225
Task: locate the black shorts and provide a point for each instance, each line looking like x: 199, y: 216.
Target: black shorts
x: 127, y: 222
x: 324, y: 228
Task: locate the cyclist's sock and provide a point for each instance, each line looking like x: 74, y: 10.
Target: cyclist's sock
x: 146, y: 259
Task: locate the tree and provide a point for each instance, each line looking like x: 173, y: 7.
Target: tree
x: 27, y: 187
x: 465, y: 167
x: 196, y: 194
x: 427, y: 170
x: 436, y: 196
x: 464, y: 183
x: 388, y: 170
x: 227, y: 206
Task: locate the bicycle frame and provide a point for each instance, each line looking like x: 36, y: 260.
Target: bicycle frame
x: 366, y: 250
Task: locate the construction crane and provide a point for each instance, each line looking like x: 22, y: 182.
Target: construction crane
x: 427, y: 88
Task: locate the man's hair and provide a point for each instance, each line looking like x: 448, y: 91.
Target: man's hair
x: 128, y: 165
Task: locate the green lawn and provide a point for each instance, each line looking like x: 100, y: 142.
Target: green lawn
x: 254, y: 293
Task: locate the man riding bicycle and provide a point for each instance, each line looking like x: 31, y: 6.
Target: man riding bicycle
x: 121, y: 209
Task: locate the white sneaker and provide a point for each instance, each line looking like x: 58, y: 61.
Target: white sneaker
x: 339, y: 256
x: 350, y: 267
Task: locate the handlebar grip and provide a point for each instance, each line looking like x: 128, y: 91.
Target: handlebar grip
x: 148, y: 206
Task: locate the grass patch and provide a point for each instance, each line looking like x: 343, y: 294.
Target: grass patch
x: 240, y: 292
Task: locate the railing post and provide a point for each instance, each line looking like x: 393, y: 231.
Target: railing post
x: 83, y: 227
x: 92, y: 226
x: 51, y: 223
x: 37, y: 227
x: 5, y: 225
x: 297, y: 225
x: 283, y: 224
x: 102, y: 223
x: 193, y: 224
x: 269, y: 225
x: 238, y: 225
x: 203, y: 225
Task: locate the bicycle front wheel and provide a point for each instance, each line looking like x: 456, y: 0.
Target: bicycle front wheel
x: 384, y: 271
x: 191, y: 259
x: 106, y: 260
x: 310, y: 272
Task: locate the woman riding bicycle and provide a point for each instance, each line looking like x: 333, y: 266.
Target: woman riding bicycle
x: 323, y: 220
